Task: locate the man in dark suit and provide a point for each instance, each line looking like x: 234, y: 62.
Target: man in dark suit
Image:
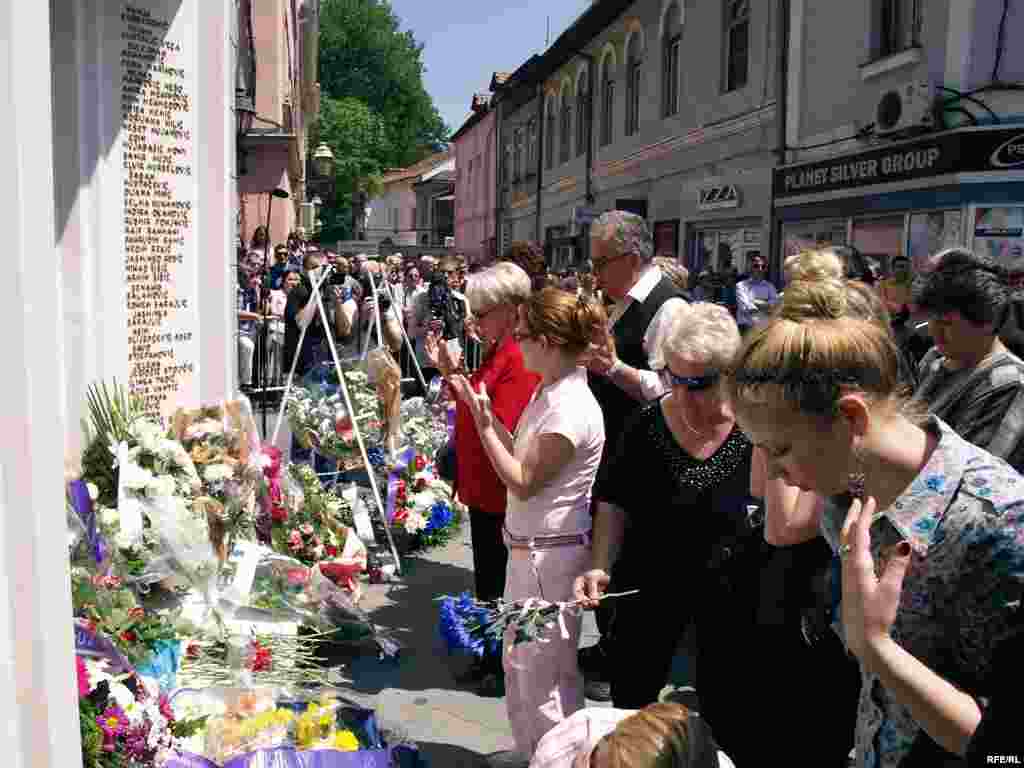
x: 622, y: 251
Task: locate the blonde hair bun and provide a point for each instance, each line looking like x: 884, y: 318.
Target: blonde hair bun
x: 826, y: 299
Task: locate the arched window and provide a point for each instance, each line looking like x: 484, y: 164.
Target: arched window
x: 531, y: 147
x: 607, y: 100
x: 517, y: 155
x: 671, y: 37
x: 582, y: 116
x: 549, y: 135
x: 565, y: 140
x: 634, y: 61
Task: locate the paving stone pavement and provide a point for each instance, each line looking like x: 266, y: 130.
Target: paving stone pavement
x: 453, y: 726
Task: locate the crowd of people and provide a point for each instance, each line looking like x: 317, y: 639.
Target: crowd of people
x: 834, y: 519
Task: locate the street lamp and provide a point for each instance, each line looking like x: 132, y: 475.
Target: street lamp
x: 245, y: 111
x: 323, y: 161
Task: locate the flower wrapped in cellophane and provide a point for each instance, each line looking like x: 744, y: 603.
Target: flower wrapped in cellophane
x: 223, y: 443
x: 124, y: 716
x: 269, y: 727
x: 284, y: 588
x: 419, y: 503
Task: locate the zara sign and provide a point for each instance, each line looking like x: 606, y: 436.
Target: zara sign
x: 718, y: 197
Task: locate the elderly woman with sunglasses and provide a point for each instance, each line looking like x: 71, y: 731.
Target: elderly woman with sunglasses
x: 676, y: 522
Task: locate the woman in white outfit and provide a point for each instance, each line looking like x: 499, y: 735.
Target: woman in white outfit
x: 549, y: 467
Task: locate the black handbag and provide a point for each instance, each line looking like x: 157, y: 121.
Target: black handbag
x: 444, y: 461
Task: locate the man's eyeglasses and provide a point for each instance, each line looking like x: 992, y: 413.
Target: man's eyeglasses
x: 691, y: 383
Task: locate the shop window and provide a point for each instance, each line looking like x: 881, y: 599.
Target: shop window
x: 879, y: 240
x: 737, y: 43
x: 998, y: 232
x: 666, y: 238
x: 896, y: 25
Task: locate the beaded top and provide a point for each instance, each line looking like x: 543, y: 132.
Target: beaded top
x: 692, y: 473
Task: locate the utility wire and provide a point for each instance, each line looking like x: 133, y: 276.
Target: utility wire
x: 960, y: 95
x: 1000, y: 42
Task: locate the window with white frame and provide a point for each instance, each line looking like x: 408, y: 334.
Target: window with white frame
x: 549, y: 136
x: 607, y: 104
x: 737, y: 43
x: 517, y: 157
x: 634, y: 64
x: 896, y: 26
x: 670, y: 63
x: 582, y: 117
x: 531, y: 146
x: 565, y: 139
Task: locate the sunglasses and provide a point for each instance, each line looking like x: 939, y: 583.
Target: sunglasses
x: 691, y: 383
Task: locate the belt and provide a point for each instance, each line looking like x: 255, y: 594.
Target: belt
x: 549, y: 541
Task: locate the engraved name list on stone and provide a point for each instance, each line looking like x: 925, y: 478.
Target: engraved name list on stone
x: 159, y: 195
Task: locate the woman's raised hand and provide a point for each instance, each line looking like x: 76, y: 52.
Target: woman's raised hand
x: 870, y: 602
x: 479, y: 403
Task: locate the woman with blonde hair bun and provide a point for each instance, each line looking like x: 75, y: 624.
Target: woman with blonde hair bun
x: 815, y: 264
x: 548, y: 466
x: 821, y: 397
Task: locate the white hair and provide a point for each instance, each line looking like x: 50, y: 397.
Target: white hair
x: 702, y: 333
x: 502, y: 283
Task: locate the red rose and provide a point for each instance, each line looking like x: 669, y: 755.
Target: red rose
x: 137, y: 613
x: 330, y: 550
x: 400, y: 486
x: 279, y: 514
x: 129, y: 636
x: 420, y: 463
x: 344, y: 429
x: 192, y: 651
x: 400, y: 514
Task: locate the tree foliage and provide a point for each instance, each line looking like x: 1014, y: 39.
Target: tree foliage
x: 375, y: 113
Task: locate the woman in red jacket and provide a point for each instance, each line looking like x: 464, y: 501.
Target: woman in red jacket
x: 494, y: 295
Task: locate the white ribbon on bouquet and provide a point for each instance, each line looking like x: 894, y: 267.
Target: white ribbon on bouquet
x: 348, y: 405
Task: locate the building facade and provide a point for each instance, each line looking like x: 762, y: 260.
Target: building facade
x: 886, y: 152
x: 278, y: 51
x: 396, y: 216
x: 664, y: 108
x: 475, y: 163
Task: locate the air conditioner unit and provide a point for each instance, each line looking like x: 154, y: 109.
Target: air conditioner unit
x: 910, y: 108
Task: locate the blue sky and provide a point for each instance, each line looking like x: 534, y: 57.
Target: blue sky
x: 466, y: 40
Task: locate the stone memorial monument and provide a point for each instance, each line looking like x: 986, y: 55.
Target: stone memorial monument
x: 117, y: 153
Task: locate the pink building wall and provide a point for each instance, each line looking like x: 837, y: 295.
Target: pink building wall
x: 276, y: 148
x: 475, y: 189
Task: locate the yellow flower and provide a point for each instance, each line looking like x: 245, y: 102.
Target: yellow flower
x: 346, y: 741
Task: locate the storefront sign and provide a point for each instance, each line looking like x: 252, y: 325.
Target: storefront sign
x: 965, y: 151
x: 717, y: 198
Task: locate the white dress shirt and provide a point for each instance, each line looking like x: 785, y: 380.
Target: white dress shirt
x: 747, y: 313
x: 650, y: 382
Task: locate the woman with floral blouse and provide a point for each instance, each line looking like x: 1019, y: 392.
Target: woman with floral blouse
x: 821, y: 397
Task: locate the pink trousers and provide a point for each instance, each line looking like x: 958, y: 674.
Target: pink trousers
x: 543, y: 684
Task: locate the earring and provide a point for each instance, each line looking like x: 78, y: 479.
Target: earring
x: 855, y: 481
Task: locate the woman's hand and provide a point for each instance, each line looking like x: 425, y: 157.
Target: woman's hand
x: 431, y: 351
x: 479, y: 403
x: 590, y: 587
x: 870, y: 602
x: 450, y: 361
